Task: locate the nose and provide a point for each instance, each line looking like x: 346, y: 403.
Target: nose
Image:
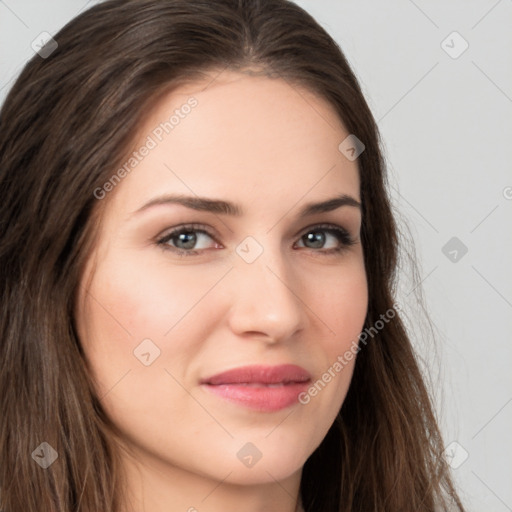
x: 265, y: 300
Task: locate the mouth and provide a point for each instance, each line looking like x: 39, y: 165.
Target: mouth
x: 261, y: 388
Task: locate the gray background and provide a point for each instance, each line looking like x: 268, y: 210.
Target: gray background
x: 446, y: 121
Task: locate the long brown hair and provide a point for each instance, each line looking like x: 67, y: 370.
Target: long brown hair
x: 65, y: 126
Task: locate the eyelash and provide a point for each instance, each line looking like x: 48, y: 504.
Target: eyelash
x: 341, y: 234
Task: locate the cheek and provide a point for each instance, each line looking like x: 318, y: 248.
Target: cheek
x: 342, y: 303
x: 149, y: 300
x: 349, y: 308
x: 131, y: 302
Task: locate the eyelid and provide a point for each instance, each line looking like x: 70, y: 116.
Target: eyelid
x: 182, y: 227
x: 323, y: 225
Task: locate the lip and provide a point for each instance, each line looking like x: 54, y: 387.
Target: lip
x: 262, y: 388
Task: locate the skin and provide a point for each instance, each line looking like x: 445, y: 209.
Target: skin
x: 271, y: 148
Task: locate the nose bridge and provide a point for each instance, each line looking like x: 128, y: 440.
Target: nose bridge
x: 264, y: 296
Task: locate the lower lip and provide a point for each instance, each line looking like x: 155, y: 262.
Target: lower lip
x: 259, y: 396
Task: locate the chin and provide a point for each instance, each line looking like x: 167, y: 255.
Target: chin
x: 255, y: 463
x: 276, y: 463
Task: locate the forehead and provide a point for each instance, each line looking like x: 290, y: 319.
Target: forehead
x: 252, y: 138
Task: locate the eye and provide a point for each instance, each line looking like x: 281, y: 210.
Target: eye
x: 191, y: 239
x: 328, y: 237
x: 187, y: 240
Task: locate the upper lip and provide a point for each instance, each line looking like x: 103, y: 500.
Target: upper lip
x: 285, y: 373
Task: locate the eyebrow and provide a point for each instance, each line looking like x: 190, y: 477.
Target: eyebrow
x: 218, y: 206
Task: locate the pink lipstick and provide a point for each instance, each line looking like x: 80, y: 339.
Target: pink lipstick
x: 263, y: 388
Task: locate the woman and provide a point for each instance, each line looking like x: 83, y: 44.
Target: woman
x: 198, y: 259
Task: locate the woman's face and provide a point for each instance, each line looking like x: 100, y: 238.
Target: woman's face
x: 263, y: 283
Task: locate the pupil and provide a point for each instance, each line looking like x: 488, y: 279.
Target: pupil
x: 317, y: 238
x: 188, y: 238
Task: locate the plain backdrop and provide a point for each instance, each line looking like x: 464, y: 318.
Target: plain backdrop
x: 438, y: 78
